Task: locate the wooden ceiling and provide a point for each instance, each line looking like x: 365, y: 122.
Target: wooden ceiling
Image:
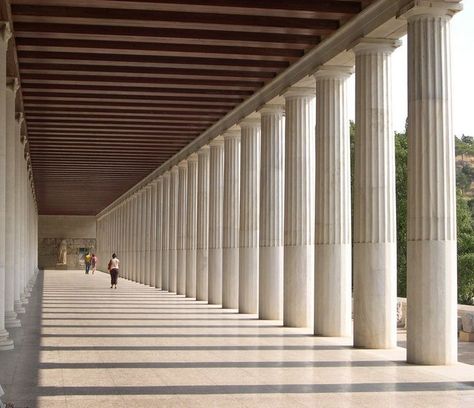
x: 113, y: 88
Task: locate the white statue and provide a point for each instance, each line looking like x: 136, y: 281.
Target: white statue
x: 62, y: 253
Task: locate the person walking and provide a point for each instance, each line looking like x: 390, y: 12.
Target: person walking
x: 113, y: 268
x: 93, y: 263
x: 87, y: 260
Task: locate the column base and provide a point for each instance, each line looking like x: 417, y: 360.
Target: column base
x: 271, y: 283
x: 375, y: 295
x: 230, y: 278
x: 298, y: 304
x: 332, y: 290
x: 248, y: 280
x: 11, y: 320
x: 202, y: 271
x: 19, y: 307
x: 215, y: 276
x: 6, y: 343
x: 181, y: 273
x: 432, y: 302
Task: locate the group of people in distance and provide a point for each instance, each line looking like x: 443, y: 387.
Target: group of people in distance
x: 113, y: 267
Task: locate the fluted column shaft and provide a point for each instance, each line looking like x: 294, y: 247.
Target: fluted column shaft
x: 431, y: 221
x: 173, y: 236
x: 141, y: 236
x: 159, y: 233
x: 152, y: 222
x: 249, y: 215
x: 182, y: 217
x: 231, y: 220
x: 299, y: 208
x: 332, y: 289
x: 133, y: 266
x: 19, y: 232
x: 202, y: 224
x: 10, y: 214
x: 165, y: 235
x: 147, y: 230
x: 271, y: 212
x: 375, y: 240
x: 191, y: 226
x: 216, y: 202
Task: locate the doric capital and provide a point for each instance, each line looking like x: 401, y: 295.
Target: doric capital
x: 5, y: 31
x: 250, y: 122
x: 204, y: 150
x: 13, y: 83
x: 232, y: 133
x: 192, y: 158
x: 183, y: 164
x: 166, y: 174
x: 299, y: 92
x: 217, y: 141
x: 174, y: 169
x: 333, y: 72
x: 430, y: 8
x: 272, y: 109
x: 367, y: 45
x: 20, y: 118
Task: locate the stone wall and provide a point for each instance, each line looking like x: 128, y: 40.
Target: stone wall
x: 79, y: 233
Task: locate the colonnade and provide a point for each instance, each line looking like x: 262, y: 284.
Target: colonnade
x: 18, y: 213
x: 259, y: 220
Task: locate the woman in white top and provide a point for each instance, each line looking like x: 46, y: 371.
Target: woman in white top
x: 114, y: 270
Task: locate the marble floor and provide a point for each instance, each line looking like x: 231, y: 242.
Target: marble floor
x: 83, y: 344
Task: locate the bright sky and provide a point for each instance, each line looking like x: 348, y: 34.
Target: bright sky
x: 462, y: 42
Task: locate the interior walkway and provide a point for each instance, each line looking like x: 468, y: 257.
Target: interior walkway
x: 85, y: 345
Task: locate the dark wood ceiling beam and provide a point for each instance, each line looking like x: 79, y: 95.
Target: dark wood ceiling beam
x: 143, y: 93
x: 71, y: 124
x: 182, y: 61
x: 110, y: 130
x: 65, y: 118
x: 220, y: 37
x: 69, y: 78
x: 141, y: 71
x: 179, y: 19
x: 259, y: 7
x: 155, y: 48
x: 192, y: 103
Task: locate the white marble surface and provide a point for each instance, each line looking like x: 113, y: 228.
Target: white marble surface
x: 140, y: 347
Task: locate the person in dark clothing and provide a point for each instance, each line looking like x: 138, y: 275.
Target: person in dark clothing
x: 113, y: 268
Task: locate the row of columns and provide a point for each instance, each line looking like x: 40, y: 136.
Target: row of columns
x: 259, y: 220
x: 18, y: 214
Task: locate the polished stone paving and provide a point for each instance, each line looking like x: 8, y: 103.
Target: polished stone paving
x: 83, y: 344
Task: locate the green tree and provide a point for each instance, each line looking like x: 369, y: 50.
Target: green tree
x: 401, y: 173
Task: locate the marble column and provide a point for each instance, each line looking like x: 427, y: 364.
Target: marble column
x: 216, y: 202
x: 10, y: 207
x: 249, y: 215
x: 333, y: 253
x: 202, y: 270
x: 182, y: 216
x: 140, y: 236
x: 165, y: 236
x: 272, y: 179
x: 135, y: 240
x: 431, y: 220
x: 191, y: 226
x: 126, y: 250
x: 375, y: 230
x: 159, y: 232
x: 19, y: 233
x: 298, y: 310
x: 231, y: 220
x: 147, y: 231
x: 152, y: 221
x: 173, y: 235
